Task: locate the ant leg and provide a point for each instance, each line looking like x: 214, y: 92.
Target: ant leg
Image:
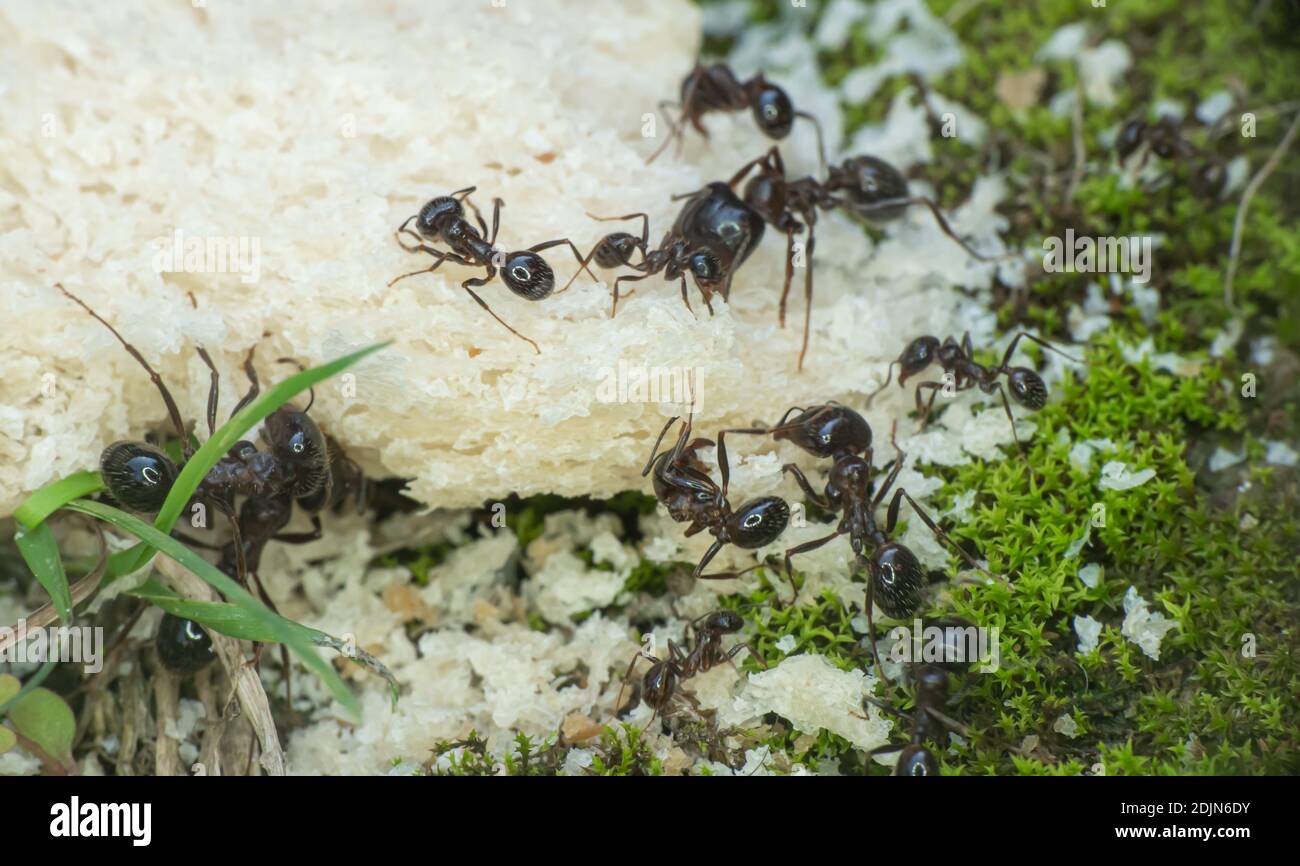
x: 582, y: 264
x: 482, y: 281
x: 806, y: 547
x: 892, y: 521
x: 884, y: 707
x: 889, y: 374
x: 947, y: 720
x: 935, y: 388
x: 172, y: 409
x: 497, y: 204
x: 765, y: 159
x: 213, y: 390
x: 674, y: 129
x: 871, y: 627
x: 899, y: 459
x: 628, y: 676
x: 1007, y: 408
x: 802, y: 480
x: 789, y: 276
x: 254, y: 387
x: 311, y: 391
x: 821, y: 144
x: 753, y: 652
x: 301, y: 537
x: 939, y: 218
x: 1006, y: 357
x: 623, y: 278
x: 440, y: 256
x: 654, y: 452
x: 807, y: 293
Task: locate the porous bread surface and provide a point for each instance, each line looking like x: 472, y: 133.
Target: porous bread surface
x: 312, y: 130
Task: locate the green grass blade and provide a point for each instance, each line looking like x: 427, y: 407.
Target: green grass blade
x: 52, y: 497
x: 41, y: 552
x: 225, y: 437
x: 290, y: 634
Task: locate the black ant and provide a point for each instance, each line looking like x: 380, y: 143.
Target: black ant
x: 1164, y: 138
x: 443, y: 219
x: 714, y: 234
x: 791, y: 205
x: 895, y: 575
x: 874, y: 191
x: 716, y: 88
x: 702, y: 653
x: 298, y: 467
x: 932, y: 684
x: 961, y: 373
x: 683, y: 485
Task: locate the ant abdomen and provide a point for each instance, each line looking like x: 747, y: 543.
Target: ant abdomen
x: 1027, y: 387
x: 827, y: 431
x: 759, y: 522
x: 183, y: 646
x: 918, y: 355
x: 868, y: 181
x: 658, y: 686
x: 773, y: 111
x: 916, y: 760
x: 528, y: 275
x: 138, y: 475
x: 615, y: 250
x: 898, y: 580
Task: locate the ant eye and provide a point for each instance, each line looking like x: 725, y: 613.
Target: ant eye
x: 138, y: 475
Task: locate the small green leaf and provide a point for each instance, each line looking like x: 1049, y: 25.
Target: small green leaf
x: 9, y: 686
x: 41, y: 552
x: 7, y: 739
x: 44, y: 718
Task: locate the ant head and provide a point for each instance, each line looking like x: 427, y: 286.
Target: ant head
x: 916, y: 760
x: 727, y: 621
x: 758, y: 522
x: 827, y: 431
x: 298, y: 443
x: 773, y: 111
x: 658, y: 685
x: 919, y: 354
x: 1027, y: 387
x: 897, y: 580
x: 138, y: 475
x: 528, y: 275
x: 616, y: 249
x: 436, y: 210
x: 183, y: 647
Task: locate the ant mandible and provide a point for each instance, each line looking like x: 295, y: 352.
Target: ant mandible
x: 715, y: 232
x: 716, y: 88
x: 895, y: 575
x: 703, y: 652
x: 961, y: 373
x: 682, y: 484
x: 443, y: 219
